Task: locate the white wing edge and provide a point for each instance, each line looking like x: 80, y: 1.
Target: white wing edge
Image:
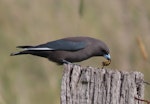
x: 39, y: 49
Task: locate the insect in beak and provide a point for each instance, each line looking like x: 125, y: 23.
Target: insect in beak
x: 106, y: 63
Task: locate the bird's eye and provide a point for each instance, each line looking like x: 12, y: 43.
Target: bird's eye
x: 104, y: 52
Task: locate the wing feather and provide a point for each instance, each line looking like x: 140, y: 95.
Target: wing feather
x: 65, y: 45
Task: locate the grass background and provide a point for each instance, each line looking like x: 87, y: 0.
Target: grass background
x: 33, y: 80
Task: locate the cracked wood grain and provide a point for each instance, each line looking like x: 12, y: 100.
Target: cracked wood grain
x: 87, y: 85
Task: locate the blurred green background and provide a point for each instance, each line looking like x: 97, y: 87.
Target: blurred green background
x: 33, y: 80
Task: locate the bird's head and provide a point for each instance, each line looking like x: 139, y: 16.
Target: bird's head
x: 103, y: 50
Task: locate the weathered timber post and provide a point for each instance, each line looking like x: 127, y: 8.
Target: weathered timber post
x: 100, y: 86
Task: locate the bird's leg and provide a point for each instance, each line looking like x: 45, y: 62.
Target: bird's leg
x: 66, y: 62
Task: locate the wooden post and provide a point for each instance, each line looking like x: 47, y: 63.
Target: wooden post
x: 88, y: 85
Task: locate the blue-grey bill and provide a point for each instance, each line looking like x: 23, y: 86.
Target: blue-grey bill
x: 107, y: 56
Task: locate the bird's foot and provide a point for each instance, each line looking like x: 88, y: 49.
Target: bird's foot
x: 67, y: 62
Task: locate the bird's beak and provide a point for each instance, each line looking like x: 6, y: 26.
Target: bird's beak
x: 107, y: 56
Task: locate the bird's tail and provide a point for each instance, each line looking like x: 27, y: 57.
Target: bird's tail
x: 21, y: 52
x: 24, y: 47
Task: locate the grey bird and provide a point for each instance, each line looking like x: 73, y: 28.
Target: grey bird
x: 68, y: 50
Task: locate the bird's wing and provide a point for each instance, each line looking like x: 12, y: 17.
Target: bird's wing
x: 65, y: 45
